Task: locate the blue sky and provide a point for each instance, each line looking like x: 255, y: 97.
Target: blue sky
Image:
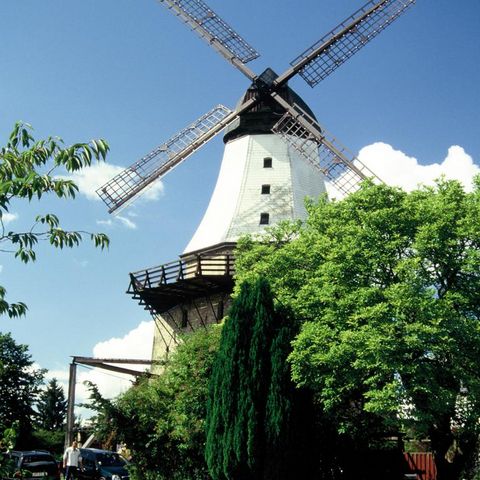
x: 130, y: 72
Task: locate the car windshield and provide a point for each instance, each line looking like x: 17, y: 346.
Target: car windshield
x: 111, y: 460
x: 37, y: 458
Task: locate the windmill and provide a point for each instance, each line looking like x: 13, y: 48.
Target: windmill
x: 275, y: 154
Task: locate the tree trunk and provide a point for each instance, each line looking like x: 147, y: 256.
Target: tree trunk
x: 442, y: 439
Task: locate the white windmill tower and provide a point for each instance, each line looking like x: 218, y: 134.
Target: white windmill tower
x: 275, y: 155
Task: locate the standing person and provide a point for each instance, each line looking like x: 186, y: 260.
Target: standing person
x: 71, y: 461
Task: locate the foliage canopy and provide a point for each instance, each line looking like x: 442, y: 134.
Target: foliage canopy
x: 27, y: 172
x: 19, y: 388
x: 387, y: 284
x: 162, y: 420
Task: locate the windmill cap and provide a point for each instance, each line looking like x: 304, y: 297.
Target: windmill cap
x: 265, y: 114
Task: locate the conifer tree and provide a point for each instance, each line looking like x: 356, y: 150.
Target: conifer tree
x: 249, y: 414
x: 52, y: 407
x: 19, y: 386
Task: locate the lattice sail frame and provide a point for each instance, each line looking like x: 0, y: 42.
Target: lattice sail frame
x: 314, y: 65
x: 209, y: 26
x: 348, y: 38
x: 133, y: 180
x: 340, y: 167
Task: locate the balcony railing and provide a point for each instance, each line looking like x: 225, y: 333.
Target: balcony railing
x: 212, y: 265
x: 162, y: 287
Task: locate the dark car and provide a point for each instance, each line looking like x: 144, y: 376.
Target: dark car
x: 33, y: 464
x: 102, y: 465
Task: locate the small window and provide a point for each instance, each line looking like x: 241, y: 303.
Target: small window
x: 264, y: 218
x: 267, y: 162
x: 265, y: 189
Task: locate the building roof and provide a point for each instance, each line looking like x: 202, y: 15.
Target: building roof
x: 262, y: 116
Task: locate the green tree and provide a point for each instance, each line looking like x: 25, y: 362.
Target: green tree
x: 19, y: 387
x: 8, y: 438
x: 386, y: 284
x: 27, y: 172
x: 51, y: 407
x: 162, y: 419
x: 252, y: 414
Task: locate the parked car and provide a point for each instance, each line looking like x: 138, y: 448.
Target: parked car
x: 33, y: 464
x: 102, y: 465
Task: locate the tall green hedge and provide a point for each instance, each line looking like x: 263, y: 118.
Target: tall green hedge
x: 253, y: 408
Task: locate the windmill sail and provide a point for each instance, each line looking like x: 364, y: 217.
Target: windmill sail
x: 263, y: 178
x: 344, y: 170
x: 132, y: 181
x: 313, y: 65
x: 215, y: 31
x: 335, y: 48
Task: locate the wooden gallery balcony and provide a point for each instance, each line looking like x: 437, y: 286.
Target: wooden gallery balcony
x: 163, y: 287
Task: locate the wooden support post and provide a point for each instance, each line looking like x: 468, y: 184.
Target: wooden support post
x: 71, y: 404
x: 180, y: 271
x: 227, y: 265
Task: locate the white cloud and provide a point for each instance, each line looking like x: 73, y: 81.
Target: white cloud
x: 81, y: 263
x: 126, y: 222
x: 8, y: 217
x: 91, y: 178
x: 153, y: 192
x: 60, y: 375
x: 107, y: 223
x: 397, y: 168
x: 62, y: 378
x: 136, y: 344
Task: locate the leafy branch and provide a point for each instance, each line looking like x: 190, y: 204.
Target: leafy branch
x: 27, y: 167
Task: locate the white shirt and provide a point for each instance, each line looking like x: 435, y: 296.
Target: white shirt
x: 71, y: 457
